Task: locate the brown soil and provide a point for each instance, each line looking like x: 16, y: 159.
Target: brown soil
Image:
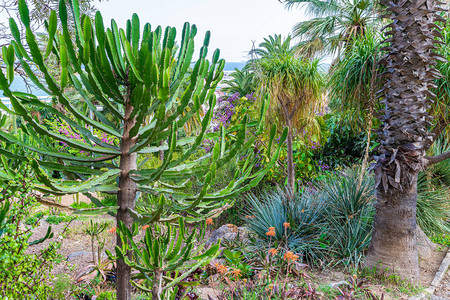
x: 75, y: 240
x: 443, y: 290
x: 430, y: 265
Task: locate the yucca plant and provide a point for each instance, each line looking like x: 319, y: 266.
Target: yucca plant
x: 302, y: 211
x: 348, y: 215
x: 353, y: 81
x: 140, y: 77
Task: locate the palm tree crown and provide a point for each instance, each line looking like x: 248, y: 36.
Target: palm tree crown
x: 334, y: 23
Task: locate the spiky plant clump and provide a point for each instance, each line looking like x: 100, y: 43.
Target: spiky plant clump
x: 303, y: 213
x: 433, y: 197
x: 348, y: 215
x: 441, y: 170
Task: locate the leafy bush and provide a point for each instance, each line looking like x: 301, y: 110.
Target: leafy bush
x: 22, y: 275
x: 34, y: 218
x: 442, y: 239
x: 61, y: 217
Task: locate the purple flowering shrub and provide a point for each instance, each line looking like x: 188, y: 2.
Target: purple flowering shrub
x: 63, y: 128
x: 230, y: 109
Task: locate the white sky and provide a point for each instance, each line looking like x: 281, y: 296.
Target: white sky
x: 234, y: 24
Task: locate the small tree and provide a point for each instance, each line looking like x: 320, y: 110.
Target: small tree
x: 295, y: 86
x: 141, y: 79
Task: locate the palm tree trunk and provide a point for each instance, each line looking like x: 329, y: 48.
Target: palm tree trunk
x: 290, y: 160
x: 126, y: 199
x: 394, y: 237
x: 404, y: 135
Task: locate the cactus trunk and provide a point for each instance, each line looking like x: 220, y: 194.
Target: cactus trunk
x: 126, y: 199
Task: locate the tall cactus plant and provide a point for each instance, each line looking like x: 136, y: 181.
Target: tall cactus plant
x: 140, y: 77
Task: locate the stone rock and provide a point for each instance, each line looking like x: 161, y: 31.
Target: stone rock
x: 227, y: 232
x: 334, y: 285
x: 75, y: 255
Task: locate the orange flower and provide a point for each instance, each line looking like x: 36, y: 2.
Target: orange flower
x: 271, y: 228
x: 303, y: 210
x: 145, y: 227
x: 236, y: 273
x: 270, y: 233
x: 112, y: 230
x: 209, y: 221
x: 290, y: 256
x: 273, y: 251
x: 221, y: 268
x: 286, y: 225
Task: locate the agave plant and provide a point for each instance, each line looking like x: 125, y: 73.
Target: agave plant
x: 98, y: 265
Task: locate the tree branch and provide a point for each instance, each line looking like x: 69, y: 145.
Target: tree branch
x: 431, y: 160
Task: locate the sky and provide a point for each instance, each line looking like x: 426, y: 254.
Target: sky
x: 234, y: 24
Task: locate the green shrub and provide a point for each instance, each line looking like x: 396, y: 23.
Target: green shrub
x: 22, y: 275
x: 62, y: 285
x: 61, y: 217
x: 442, y: 239
x: 34, y: 218
x: 82, y: 205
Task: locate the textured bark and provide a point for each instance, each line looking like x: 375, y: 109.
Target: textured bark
x: 404, y: 135
x: 161, y: 152
x: 394, y: 237
x: 126, y: 199
x: 156, y: 289
x: 290, y: 161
